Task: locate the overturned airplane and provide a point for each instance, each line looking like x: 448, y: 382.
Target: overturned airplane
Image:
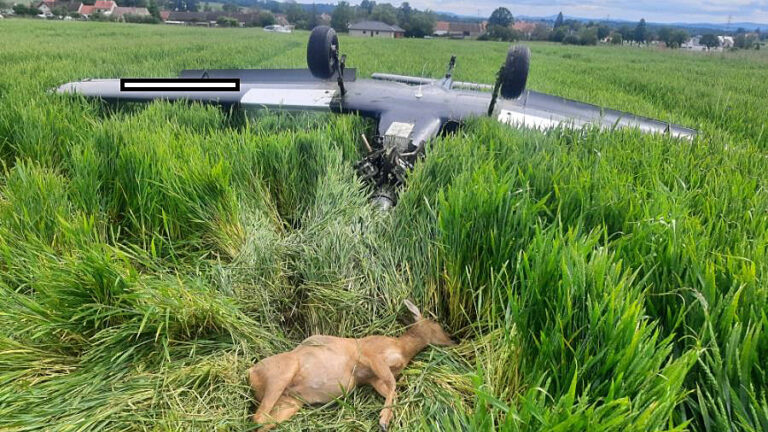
x: 409, y: 111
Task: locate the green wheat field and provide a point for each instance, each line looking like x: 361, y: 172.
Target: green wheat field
x: 600, y: 281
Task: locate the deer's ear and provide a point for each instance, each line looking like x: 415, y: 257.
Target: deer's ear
x: 414, y: 310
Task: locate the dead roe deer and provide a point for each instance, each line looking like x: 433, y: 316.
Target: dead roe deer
x: 323, y: 368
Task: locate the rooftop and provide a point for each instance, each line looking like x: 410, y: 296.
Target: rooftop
x: 376, y: 26
x: 137, y: 11
x: 101, y: 4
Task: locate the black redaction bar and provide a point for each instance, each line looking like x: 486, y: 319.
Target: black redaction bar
x: 179, y: 84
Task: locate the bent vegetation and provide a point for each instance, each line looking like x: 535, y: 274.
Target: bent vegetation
x: 596, y: 280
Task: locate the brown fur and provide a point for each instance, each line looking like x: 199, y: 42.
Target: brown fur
x: 323, y: 368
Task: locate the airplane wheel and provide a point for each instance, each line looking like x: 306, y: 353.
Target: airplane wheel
x: 515, y: 73
x: 323, y: 44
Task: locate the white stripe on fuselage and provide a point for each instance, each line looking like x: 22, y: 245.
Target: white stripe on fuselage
x: 289, y: 98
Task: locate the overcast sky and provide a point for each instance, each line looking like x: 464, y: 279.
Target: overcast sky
x: 714, y: 11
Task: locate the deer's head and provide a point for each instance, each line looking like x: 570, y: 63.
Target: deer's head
x: 426, y: 329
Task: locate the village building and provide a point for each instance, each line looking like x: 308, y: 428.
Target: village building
x: 725, y: 41
x: 375, y: 29
x: 525, y: 28
x: 48, y: 7
x: 694, y: 44
x: 100, y: 7
x: 121, y: 12
x: 210, y: 18
x: 282, y: 20
x: 459, y: 30
x: 441, y: 28
x: 45, y: 8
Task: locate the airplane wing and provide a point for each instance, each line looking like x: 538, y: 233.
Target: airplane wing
x: 284, y: 89
x: 543, y: 111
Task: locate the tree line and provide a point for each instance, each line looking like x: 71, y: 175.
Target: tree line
x: 575, y: 32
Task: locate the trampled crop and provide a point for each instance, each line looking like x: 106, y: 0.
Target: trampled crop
x: 596, y: 280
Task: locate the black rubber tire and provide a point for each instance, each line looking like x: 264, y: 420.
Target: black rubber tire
x: 515, y: 73
x: 319, y: 51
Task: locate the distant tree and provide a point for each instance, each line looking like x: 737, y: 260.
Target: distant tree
x: 296, y: 15
x: 229, y: 7
x: 404, y: 13
x: 541, y: 32
x: 21, y: 9
x: 385, y: 13
x: 420, y: 24
x: 499, y: 33
x: 367, y: 6
x: 627, y: 32
x: 572, y: 24
x: 133, y: 3
x: 341, y: 17
x: 59, y: 11
x: 266, y: 18
x: 641, y: 31
x: 588, y: 36
x: 739, y: 41
x: 501, y: 17
x: 664, y: 34
x: 153, y: 9
x: 559, y: 20
x: 312, y: 21
x: 603, y: 31
x: 207, y: 7
x: 571, y: 39
x: 710, y: 41
x: 744, y: 41
x: 558, y: 34
x: 225, y: 21
x: 677, y: 38
x: 616, y: 38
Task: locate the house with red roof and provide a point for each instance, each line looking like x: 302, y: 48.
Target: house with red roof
x: 526, y: 28
x: 105, y: 7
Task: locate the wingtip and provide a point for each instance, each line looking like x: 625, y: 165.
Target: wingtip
x: 70, y: 87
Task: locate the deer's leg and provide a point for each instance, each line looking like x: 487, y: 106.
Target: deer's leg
x: 285, y: 408
x: 280, y: 375
x: 256, y: 383
x: 385, y: 384
x: 380, y: 387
